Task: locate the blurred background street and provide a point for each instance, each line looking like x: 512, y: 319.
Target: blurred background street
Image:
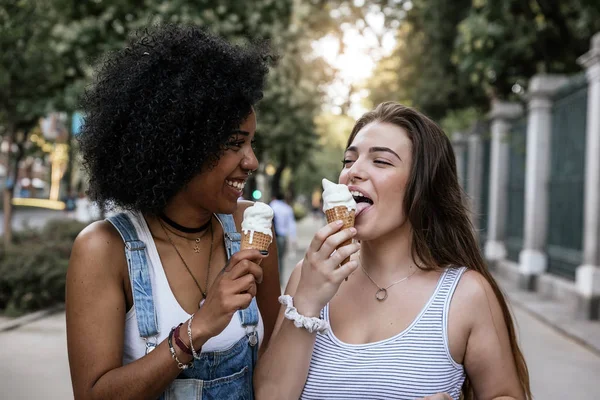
x: 515, y: 85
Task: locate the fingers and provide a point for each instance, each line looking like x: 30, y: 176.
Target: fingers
x: 242, y: 301
x: 344, y: 252
x: 334, y: 242
x: 245, y: 267
x: 322, y: 235
x: 245, y: 284
x: 344, y: 271
x: 251, y: 254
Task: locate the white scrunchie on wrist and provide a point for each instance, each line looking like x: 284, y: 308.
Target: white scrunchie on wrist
x: 311, y: 324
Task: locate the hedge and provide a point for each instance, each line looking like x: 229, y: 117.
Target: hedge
x: 33, y: 269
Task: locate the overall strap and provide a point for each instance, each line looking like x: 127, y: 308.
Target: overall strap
x: 232, y: 236
x: 249, y: 315
x: 139, y: 275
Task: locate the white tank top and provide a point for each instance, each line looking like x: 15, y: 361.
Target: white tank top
x: 413, y: 364
x: 168, y: 311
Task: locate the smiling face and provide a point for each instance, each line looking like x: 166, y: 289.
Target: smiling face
x: 377, y: 166
x: 218, y: 189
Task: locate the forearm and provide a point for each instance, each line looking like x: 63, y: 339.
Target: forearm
x: 145, y: 378
x: 282, y: 370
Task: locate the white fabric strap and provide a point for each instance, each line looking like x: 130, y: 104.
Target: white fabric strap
x: 311, y: 324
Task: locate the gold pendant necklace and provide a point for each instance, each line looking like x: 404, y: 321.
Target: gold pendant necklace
x: 196, y: 240
x: 202, y: 291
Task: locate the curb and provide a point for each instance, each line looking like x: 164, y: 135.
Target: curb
x: 28, y: 318
x: 556, y: 326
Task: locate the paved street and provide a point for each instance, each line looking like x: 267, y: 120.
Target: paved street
x: 33, y: 360
x: 30, y: 217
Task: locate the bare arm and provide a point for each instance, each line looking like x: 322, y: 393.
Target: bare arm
x: 282, y: 370
x: 489, y: 360
x: 96, y: 304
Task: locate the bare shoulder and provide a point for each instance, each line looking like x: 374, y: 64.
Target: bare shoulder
x: 100, y: 246
x: 476, y: 298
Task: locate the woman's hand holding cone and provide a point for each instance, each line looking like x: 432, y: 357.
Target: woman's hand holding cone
x: 321, y: 275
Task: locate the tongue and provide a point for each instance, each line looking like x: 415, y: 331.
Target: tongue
x: 361, y: 206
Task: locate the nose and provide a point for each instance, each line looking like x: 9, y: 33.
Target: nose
x: 355, y: 173
x: 249, y: 162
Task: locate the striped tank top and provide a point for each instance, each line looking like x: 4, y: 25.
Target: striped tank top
x: 410, y: 365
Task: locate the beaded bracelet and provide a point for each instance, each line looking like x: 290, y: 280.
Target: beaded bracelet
x: 189, y: 331
x: 182, y: 346
x: 180, y: 365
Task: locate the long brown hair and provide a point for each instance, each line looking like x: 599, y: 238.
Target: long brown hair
x: 434, y: 204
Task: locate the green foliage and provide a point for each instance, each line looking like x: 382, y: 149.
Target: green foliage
x: 503, y: 43
x: 33, y: 269
x: 425, y: 77
x: 82, y: 32
x: 459, y: 120
x: 29, y: 70
x: 455, y: 55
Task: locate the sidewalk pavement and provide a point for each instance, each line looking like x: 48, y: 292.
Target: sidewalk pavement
x: 34, y: 364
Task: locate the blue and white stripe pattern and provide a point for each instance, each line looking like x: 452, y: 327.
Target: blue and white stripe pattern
x: 410, y: 365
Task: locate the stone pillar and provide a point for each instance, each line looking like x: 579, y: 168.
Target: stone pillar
x: 474, y: 172
x: 459, y: 145
x: 532, y: 259
x: 500, y: 115
x: 588, y: 274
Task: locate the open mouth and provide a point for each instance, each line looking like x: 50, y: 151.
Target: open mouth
x: 236, y: 185
x: 363, y: 202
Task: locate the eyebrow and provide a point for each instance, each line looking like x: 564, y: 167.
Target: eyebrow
x: 375, y: 150
x: 240, y: 132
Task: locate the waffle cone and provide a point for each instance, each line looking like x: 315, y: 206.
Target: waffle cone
x: 256, y: 240
x: 347, y: 216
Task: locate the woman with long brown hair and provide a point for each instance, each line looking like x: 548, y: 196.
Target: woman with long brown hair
x: 419, y: 314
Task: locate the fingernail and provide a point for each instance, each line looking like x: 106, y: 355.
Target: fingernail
x: 353, y: 230
x: 339, y: 222
x: 264, y: 252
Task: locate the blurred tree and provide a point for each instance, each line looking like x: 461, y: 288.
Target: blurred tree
x: 501, y: 44
x: 425, y: 76
x: 295, y: 88
x: 456, y: 55
x: 30, y: 74
x: 326, y: 160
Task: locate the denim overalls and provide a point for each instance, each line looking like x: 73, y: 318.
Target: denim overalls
x: 218, y: 375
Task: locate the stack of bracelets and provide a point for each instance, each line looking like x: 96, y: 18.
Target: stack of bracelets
x: 175, y: 335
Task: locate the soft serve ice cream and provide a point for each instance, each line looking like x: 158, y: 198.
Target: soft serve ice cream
x: 337, y: 195
x: 338, y: 204
x: 256, y: 227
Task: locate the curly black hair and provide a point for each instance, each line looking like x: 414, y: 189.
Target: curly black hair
x: 163, y: 109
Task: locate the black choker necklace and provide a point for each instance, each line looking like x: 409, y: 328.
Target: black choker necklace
x: 184, y: 229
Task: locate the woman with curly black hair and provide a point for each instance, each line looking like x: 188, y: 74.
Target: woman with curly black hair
x: 160, y: 301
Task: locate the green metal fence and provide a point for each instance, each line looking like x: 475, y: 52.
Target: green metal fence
x: 465, y: 168
x: 567, y: 165
x: 486, y: 143
x: 516, y: 189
